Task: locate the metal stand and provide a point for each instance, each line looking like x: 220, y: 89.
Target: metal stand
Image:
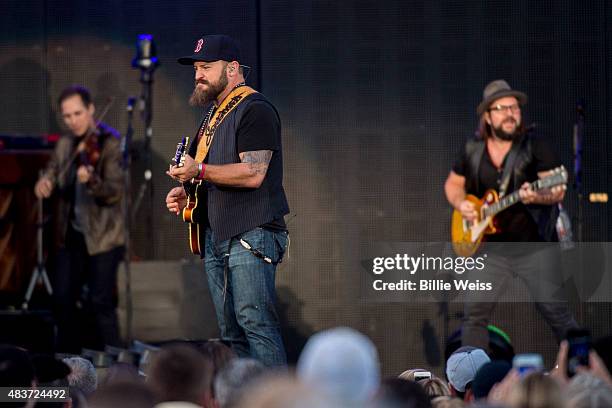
x: 145, y: 104
x: 146, y: 60
x: 40, y: 273
x: 578, y: 186
x: 126, y: 146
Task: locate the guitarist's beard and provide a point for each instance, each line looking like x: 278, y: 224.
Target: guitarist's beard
x: 500, y: 133
x: 202, y: 97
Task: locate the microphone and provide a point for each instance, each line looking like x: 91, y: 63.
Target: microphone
x: 130, y: 104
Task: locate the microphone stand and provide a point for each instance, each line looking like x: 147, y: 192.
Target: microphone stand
x: 145, y: 104
x: 126, y: 145
x: 146, y: 61
x: 578, y: 138
x: 40, y: 273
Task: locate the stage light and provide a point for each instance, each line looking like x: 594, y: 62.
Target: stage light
x: 598, y: 197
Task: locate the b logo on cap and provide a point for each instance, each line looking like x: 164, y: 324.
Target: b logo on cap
x: 199, y: 45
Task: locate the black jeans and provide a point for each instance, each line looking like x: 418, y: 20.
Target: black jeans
x: 76, y: 268
x: 540, y: 273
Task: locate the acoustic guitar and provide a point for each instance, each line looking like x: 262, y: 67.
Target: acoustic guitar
x: 467, y: 236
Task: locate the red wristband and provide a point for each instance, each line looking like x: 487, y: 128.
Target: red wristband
x: 202, y: 168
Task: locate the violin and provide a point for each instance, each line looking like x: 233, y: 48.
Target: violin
x: 89, y: 149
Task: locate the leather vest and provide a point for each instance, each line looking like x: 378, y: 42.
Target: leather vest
x: 545, y: 216
x: 231, y: 210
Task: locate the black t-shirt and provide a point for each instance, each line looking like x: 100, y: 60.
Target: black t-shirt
x: 260, y: 129
x: 515, y: 223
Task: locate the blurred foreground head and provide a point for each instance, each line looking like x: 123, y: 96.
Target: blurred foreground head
x: 537, y: 390
x: 342, y: 363
x: 179, y: 372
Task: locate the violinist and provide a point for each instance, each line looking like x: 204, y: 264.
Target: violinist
x: 85, y: 174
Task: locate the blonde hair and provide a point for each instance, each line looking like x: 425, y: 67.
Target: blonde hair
x: 282, y: 391
x: 435, y: 387
x: 447, y: 402
x: 536, y: 391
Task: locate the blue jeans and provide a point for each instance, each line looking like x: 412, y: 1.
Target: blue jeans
x: 244, y: 295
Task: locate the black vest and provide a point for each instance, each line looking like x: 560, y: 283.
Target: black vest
x: 231, y: 210
x: 545, y: 216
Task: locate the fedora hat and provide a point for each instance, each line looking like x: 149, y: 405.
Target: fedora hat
x: 498, y: 89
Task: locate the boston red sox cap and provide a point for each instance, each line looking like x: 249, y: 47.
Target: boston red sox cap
x: 210, y: 48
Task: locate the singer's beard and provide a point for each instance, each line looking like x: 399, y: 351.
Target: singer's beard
x: 203, y: 96
x: 500, y: 133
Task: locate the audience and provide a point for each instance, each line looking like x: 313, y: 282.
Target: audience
x: 82, y: 375
x: 400, y: 393
x: 536, y: 390
x: 338, y: 368
x: 283, y: 392
x: 435, y: 387
x: 447, y: 402
x: 237, y: 375
x: 487, y: 376
x: 586, y: 390
x: 16, y: 368
x: 179, y: 373
x: 119, y: 373
x: 461, y: 369
x: 412, y: 374
x: 218, y: 353
x: 343, y: 364
x: 123, y: 395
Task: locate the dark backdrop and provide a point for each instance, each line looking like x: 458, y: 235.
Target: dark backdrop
x: 376, y: 100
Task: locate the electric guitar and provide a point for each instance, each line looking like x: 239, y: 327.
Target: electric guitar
x: 467, y: 236
x: 195, y: 210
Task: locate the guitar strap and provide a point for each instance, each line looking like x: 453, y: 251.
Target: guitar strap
x: 509, y: 168
x: 207, y: 132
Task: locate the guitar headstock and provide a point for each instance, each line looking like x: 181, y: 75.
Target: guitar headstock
x: 557, y: 176
x: 181, y: 151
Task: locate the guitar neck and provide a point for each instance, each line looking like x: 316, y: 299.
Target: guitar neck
x: 510, y: 199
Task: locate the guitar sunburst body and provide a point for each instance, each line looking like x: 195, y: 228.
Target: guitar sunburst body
x: 467, y: 236
x: 464, y: 234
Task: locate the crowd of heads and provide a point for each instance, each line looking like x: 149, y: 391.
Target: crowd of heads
x: 339, y: 367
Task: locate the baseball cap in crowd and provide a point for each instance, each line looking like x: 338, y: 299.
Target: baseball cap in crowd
x: 463, y: 364
x: 342, y: 363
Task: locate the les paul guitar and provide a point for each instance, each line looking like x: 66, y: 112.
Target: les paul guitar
x: 195, y: 210
x: 467, y: 236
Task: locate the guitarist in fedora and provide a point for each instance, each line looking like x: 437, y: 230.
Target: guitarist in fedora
x: 236, y: 161
x: 506, y: 157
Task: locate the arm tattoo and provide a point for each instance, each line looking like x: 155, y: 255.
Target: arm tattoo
x: 258, y: 160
